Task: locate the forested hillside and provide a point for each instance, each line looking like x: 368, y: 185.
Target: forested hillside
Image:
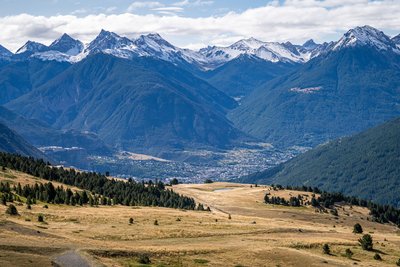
x: 366, y: 165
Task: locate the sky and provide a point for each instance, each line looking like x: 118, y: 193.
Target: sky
x: 193, y: 23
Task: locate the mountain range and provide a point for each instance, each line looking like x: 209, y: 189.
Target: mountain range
x: 353, y: 86
x: 150, y: 96
x: 67, y: 49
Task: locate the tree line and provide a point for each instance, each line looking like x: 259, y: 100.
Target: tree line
x: 379, y: 213
x: 130, y: 193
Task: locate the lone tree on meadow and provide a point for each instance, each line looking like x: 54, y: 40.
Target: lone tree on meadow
x: 357, y: 229
x: 366, y: 242
x: 12, y: 210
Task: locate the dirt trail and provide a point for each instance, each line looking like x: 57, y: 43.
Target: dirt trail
x: 71, y: 258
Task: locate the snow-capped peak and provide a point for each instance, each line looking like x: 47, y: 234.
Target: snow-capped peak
x: 67, y: 45
x: 246, y: 44
x: 310, y: 45
x: 107, y: 40
x: 31, y: 47
x: 365, y: 36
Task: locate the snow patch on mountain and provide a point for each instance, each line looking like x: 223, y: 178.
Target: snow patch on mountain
x: 366, y: 36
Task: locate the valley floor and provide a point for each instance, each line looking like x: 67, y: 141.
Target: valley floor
x: 257, y: 234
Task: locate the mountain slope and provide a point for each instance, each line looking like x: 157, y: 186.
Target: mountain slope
x: 41, y: 135
x: 144, y: 104
x: 19, y: 78
x: 11, y: 142
x: 242, y: 75
x: 344, y: 91
x: 366, y: 165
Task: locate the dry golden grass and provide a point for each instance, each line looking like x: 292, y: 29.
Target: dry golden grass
x: 256, y: 235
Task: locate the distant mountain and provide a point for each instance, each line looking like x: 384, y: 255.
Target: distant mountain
x: 66, y: 44
x: 269, y: 51
x: 11, y: 142
x: 5, y: 53
x: 30, y: 48
x: 20, y: 77
x: 145, y: 104
x: 240, y: 76
x: 366, y: 165
x: 153, y: 45
x: 354, y: 86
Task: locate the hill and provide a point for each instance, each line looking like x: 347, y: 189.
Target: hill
x: 365, y: 165
x: 350, y: 88
x: 11, y: 142
x: 146, y: 104
x: 240, y: 230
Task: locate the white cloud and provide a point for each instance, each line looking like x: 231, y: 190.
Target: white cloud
x: 139, y: 4
x: 293, y: 20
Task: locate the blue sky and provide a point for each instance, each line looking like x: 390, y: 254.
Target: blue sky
x: 192, y: 8
x: 193, y: 23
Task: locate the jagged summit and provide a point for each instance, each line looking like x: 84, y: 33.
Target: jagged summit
x: 366, y: 36
x: 107, y: 40
x: 310, y: 44
x: 32, y: 47
x: 66, y: 44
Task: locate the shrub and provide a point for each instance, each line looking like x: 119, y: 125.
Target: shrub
x: 357, y: 229
x: 349, y: 253
x: 155, y: 222
x: 208, y: 181
x: 178, y: 219
x: 398, y: 263
x: 326, y: 249
x: 28, y: 207
x: 40, y: 218
x: 377, y: 257
x: 130, y: 220
x: 144, y: 259
x: 12, y: 210
x: 366, y: 242
x: 45, y: 207
x: 174, y: 181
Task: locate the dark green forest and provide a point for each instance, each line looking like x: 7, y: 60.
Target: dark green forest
x: 112, y: 191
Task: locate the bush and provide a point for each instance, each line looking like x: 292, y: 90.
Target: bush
x: 377, y: 257
x: 357, y: 229
x: 45, y: 207
x: 366, y: 242
x: 398, y: 263
x: 349, y: 253
x: 144, y: 259
x: 155, y: 222
x: 29, y: 207
x: 208, y: 181
x: 174, y: 181
x: 326, y: 249
x: 130, y: 220
x: 40, y: 218
x: 12, y: 210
